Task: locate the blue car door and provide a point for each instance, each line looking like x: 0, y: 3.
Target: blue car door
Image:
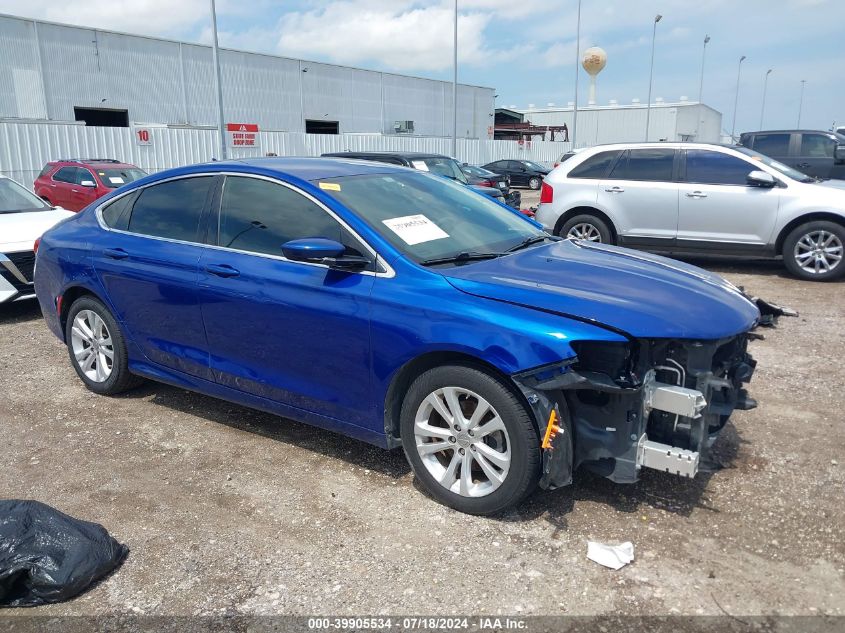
x: 296, y: 333
x: 148, y: 263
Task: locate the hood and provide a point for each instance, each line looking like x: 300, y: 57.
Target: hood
x: 833, y: 184
x: 643, y: 295
x: 18, y: 231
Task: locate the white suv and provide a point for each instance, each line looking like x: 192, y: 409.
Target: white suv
x: 698, y: 198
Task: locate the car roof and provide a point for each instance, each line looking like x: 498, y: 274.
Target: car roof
x: 408, y: 155
x: 789, y: 132
x: 105, y: 163
x: 308, y: 168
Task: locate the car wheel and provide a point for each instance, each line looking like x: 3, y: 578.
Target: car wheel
x: 534, y: 183
x: 814, y: 251
x: 97, y: 348
x: 471, y: 443
x: 586, y: 227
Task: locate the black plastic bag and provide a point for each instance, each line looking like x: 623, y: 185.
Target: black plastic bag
x: 47, y: 556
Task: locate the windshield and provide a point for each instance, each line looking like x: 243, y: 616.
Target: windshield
x: 429, y: 218
x: 441, y: 166
x: 770, y: 162
x: 16, y: 199
x: 117, y: 177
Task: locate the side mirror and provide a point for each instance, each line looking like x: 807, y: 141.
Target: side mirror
x: 87, y: 183
x: 759, y: 178
x: 839, y: 153
x: 320, y: 250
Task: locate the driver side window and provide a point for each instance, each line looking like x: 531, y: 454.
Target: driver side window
x: 259, y: 216
x: 705, y: 167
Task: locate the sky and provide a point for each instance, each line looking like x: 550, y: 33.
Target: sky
x: 526, y: 49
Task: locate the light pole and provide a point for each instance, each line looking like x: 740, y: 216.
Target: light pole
x: 701, y: 86
x: 455, y: 88
x: 218, y: 81
x: 765, y: 85
x: 657, y: 19
x: 801, y: 102
x: 736, y: 97
x: 577, y: 61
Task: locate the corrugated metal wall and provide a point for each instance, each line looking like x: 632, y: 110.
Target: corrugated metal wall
x: 626, y: 124
x: 168, y: 82
x: 26, y: 147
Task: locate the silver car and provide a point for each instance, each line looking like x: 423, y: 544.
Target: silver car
x: 689, y: 198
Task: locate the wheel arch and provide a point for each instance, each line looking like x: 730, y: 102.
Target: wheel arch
x: 415, y: 367
x: 816, y: 216
x: 587, y: 210
x: 69, y: 296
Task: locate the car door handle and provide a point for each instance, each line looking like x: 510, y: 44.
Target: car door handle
x: 116, y: 253
x: 696, y: 194
x: 75, y: 190
x: 222, y: 270
x: 805, y: 165
x: 615, y: 190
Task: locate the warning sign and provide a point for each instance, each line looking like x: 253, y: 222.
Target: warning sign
x: 242, y: 134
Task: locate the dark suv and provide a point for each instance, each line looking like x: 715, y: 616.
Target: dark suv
x: 436, y: 164
x: 815, y: 153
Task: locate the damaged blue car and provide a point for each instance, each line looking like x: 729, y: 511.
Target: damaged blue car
x: 403, y: 310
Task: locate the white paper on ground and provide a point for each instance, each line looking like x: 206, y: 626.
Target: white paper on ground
x: 415, y: 229
x: 612, y: 556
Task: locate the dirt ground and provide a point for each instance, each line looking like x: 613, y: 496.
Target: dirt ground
x: 231, y: 511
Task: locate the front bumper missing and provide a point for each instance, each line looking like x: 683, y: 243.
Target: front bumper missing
x: 669, y: 459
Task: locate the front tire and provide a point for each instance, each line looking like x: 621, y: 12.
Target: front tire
x: 534, y: 183
x: 814, y: 251
x: 97, y: 348
x: 586, y: 227
x: 470, y: 441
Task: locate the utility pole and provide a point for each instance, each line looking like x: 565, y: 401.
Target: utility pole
x: 765, y: 85
x: 701, y: 88
x: 736, y: 97
x: 657, y: 19
x: 801, y: 102
x: 455, y: 88
x: 221, y: 125
x: 577, y: 62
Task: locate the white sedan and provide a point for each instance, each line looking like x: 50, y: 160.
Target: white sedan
x: 23, y: 219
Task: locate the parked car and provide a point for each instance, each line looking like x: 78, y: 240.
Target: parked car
x: 698, y: 198
x: 523, y: 173
x: 23, y: 218
x: 74, y: 184
x: 819, y: 154
x: 403, y: 310
x: 480, y: 177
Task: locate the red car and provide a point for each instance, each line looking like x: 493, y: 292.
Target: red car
x: 76, y: 183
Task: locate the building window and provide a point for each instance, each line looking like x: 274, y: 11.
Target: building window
x: 102, y: 117
x: 322, y: 127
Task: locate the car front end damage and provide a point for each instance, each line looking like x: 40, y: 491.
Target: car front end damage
x: 648, y: 403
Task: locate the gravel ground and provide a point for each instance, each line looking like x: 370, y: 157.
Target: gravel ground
x: 231, y: 511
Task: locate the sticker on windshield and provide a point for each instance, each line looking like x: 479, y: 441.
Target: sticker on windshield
x: 330, y: 186
x: 116, y: 180
x: 419, y: 164
x: 415, y: 229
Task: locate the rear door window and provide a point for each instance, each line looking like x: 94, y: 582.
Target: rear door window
x: 66, y: 174
x: 171, y: 209
x: 772, y: 144
x: 647, y: 164
x: 817, y: 146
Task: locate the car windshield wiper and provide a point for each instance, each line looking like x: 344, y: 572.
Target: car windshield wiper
x: 464, y: 256
x: 528, y: 241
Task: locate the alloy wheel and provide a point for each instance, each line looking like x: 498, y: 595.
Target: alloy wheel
x: 93, y: 350
x: 584, y: 231
x: 818, y: 252
x: 462, y: 441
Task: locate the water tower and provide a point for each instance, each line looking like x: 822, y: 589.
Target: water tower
x: 593, y: 61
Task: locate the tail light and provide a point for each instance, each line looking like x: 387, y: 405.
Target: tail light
x: 556, y: 164
x: 486, y: 183
x: 547, y: 194
x: 36, y: 245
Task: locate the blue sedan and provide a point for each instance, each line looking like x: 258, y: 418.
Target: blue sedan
x: 401, y: 309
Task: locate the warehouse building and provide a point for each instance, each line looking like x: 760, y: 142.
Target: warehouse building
x: 615, y: 123
x: 58, y: 72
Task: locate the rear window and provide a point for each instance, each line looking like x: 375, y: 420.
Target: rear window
x: 595, y: 166
x: 172, y: 209
x: 771, y: 144
x: 47, y: 168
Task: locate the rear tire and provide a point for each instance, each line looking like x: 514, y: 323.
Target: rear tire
x: 814, y: 251
x: 482, y: 461
x: 97, y: 348
x: 588, y: 228
x: 534, y: 183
